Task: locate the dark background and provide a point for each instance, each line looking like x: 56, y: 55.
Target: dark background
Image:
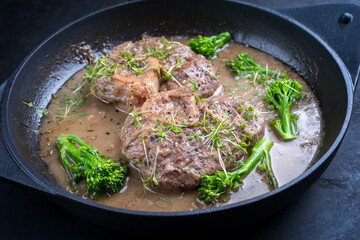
x: 330, y: 209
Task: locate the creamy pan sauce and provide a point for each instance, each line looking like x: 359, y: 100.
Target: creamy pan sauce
x: 99, y: 124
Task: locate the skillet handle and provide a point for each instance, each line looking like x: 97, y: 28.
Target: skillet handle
x: 9, y: 169
x: 338, y: 25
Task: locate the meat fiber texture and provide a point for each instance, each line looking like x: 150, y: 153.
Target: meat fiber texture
x: 174, y: 147
x: 124, y: 88
x: 169, y: 65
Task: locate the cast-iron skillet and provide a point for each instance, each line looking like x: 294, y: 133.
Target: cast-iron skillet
x: 328, y: 61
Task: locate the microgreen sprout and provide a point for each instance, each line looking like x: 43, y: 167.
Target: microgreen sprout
x: 68, y: 101
x: 102, y: 68
x: 136, y: 118
x: 212, y: 75
x: 137, y: 66
x: 143, y: 142
x: 169, y: 74
x: 179, y: 62
x: 152, y: 179
x: 162, y: 53
x: 41, y: 111
x: 163, y: 130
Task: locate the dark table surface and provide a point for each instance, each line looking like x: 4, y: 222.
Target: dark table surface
x: 329, y: 209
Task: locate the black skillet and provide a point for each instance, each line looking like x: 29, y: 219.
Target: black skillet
x: 328, y: 60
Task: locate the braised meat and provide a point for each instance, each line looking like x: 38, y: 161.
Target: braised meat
x: 198, y: 69
x: 127, y: 90
x: 172, y: 153
x: 142, y: 66
x: 134, y: 80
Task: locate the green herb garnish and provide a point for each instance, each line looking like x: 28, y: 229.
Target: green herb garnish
x: 42, y: 111
x: 137, y: 118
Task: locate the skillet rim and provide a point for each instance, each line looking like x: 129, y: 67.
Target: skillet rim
x: 57, y: 191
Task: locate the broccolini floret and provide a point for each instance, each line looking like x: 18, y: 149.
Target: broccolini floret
x: 85, y: 162
x: 207, y: 46
x: 244, y: 66
x: 213, y: 187
x: 281, y: 94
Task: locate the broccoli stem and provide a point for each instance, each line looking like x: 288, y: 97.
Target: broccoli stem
x: 215, y: 186
x: 266, y: 166
x: 67, y: 148
x: 286, y: 132
x: 83, y: 155
x: 270, y: 173
x: 261, y: 149
x: 221, y: 39
x: 287, y: 125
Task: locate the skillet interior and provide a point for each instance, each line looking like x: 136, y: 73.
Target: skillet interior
x: 38, y: 78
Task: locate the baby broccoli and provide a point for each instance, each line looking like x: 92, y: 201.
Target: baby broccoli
x: 213, y: 187
x: 101, y: 175
x: 244, y: 66
x: 207, y: 46
x: 281, y: 94
x: 266, y: 166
